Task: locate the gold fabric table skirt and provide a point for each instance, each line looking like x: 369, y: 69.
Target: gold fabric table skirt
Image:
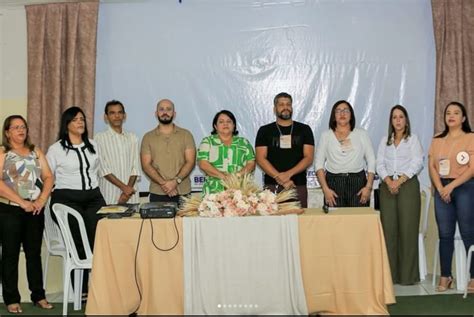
x: 343, y: 261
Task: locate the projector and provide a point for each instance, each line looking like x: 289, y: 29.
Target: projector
x: 158, y: 210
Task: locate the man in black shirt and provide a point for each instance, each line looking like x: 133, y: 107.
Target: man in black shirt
x: 285, y: 150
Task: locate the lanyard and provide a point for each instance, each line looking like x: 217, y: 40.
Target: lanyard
x: 291, y: 131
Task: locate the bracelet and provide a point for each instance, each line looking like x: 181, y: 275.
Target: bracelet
x: 369, y: 187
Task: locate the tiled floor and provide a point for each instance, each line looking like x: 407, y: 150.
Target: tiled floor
x: 423, y: 288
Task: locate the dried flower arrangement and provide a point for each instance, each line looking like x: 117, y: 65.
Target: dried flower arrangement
x: 242, y: 197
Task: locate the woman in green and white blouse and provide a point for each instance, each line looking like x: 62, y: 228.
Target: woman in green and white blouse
x: 223, y: 153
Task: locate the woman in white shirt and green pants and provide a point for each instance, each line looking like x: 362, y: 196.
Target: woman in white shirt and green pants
x: 399, y: 161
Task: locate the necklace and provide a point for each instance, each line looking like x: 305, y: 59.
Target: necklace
x: 341, y: 136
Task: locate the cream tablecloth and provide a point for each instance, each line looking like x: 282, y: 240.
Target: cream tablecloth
x: 344, y: 265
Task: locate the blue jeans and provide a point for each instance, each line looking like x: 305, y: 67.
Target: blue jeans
x: 461, y: 210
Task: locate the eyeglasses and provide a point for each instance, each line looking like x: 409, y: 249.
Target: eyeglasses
x: 341, y: 111
x: 18, y: 127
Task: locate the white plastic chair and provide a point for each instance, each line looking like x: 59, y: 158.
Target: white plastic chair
x: 468, y: 271
x: 460, y: 260
x: 73, y: 262
x: 422, y: 232
x: 54, y: 241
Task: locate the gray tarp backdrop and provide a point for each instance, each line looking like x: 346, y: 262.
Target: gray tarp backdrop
x: 208, y: 55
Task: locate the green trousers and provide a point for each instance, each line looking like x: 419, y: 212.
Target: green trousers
x: 400, y: 216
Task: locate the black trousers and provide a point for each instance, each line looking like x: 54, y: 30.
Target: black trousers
x: 346, y: 186
x: 21, y: 228
x: 87, y: 203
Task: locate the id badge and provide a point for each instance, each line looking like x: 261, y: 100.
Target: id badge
x: 444, y: 167
x: 285, y: 141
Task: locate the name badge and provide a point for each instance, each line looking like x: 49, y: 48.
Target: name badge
x: 462, y: 158
x: 285, y: 141
x: 444, y: 167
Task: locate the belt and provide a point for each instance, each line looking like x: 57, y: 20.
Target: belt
x: 346, y: 174
x: 10, y: 202
x: 399, y: 175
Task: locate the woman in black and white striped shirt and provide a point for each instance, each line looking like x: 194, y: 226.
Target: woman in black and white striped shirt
x: 74, y: 160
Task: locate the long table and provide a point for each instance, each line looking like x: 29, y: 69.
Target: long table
x: 344, y: 265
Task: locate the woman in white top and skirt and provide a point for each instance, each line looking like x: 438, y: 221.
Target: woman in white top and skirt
x: 399, y: 161
x: 344, y: 152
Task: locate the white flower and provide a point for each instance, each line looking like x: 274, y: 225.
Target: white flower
x: 238, y: 195
x: 209, y: 209
x: 233, y: 203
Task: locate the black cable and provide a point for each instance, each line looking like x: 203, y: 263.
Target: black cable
x: 135, y: 268
x: 177, y: 234
x: 136, y: 254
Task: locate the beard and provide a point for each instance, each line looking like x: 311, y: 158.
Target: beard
x: 285, y: 116
x: 166, y: 120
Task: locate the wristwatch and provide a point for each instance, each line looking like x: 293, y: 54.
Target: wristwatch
x: 178, y: 180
